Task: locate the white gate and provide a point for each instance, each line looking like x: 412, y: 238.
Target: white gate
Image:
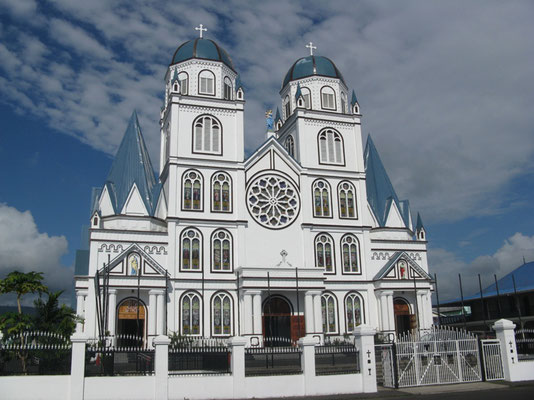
x: 384, y: 356
x: 491, y: 353
x: 437, y: 356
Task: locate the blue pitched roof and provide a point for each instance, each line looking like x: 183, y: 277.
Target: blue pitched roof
x: 81, y: 265
x: 277, y: 115
x: 380, y: 192
x: 419, y: 222
x: 132, y: 165
x: 299, y: 92
x: 354, y: 100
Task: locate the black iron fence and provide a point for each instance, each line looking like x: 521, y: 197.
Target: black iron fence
x: 524, y: 339
x: 119, y: 356
x: 277, y: 356
x: 199, y: 356
x: 35, y: 353
x: 334, y: 358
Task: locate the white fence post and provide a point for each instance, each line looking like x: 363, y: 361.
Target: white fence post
x: 504, y: 330
x: 365, y: 343
x: 77, y: 366
x: 307, y: 362
x: 237, y: 344
x: 161, y: 367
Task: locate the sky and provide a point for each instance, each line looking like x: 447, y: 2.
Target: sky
x: 445, y: 88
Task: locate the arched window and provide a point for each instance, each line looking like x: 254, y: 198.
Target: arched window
x: 221, y: 192
x: 175, y: 87
x: 287, y: 107
x: 330, y: 145
x: 351, y: 254
x: 343, y: 103
x: 191, y: 250
x: 206, y: 83
x: 328, y: 98
x: 207, y: 135
x: 191, y: 313
x: 221, y: 313
x: 192, y: 191
x: 306, y: 94
x: 329, y: 313
x: 227, y: 88
x: 290, y: 145
x: 221, y: 251
x: 321, y: 199
x: 347, y: 200
x: 353, y: 311
x: 324, y: 252
x: 183, y: 79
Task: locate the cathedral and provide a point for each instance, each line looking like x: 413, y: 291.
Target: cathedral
x: 304, y: 237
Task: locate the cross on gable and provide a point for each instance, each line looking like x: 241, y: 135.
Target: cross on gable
x: 311, y: 47
x: 201, y: 29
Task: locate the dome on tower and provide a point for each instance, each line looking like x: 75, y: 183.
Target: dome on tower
x: 204, y: 49
x: 312, y: 65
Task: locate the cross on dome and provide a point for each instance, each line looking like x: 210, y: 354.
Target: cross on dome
x: 311, y: 47
x: 201, y: 29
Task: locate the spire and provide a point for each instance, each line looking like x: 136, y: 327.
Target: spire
x: 419, y: 224
x: 277, y: 116
x: 380, y: 192
x: 132, y: 165
x: 174, y: 76
x: 298, y: 93
x: 354, y: 100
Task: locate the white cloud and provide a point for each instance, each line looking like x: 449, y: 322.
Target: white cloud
x: 24, y: 248
x: 507, y: 258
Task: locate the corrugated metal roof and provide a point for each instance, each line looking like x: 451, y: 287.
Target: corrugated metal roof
x: 81, y: 265
x: 380, y: 192
x: 132, y: 165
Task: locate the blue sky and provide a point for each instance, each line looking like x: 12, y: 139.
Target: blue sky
x: 446, y: 91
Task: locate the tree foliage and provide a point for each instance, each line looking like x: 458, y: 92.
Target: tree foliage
x: 21, y: 284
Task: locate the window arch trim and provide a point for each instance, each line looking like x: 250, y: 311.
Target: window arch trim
x: 231, y: 202
x: 335, y: 134
x: 354, y: 199
x: 191, y: 293
x: 184, y: 177
x: 333, y: 255
x: 223, y: 293
x: 201, y: 250
x: 329, y: 190
x: 193, y: 136
x: 199, y: 84
x: 306, y: 91
x: 212, y: 250
x: 328, y: 331
x: 362, y: 309
x: 228, y: 82
x: 335, y: 100
x: 289, y: 145
x: 180, y: 87
x: 358, y: 255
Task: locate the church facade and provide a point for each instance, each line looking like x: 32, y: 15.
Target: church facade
x: 305, y: 236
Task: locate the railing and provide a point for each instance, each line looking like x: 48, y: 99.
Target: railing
x: 119, y: 355
x: 491, y: 353
x: 35, y: 353
x: 524, y: 339
x: 336, y: 358
x: 278, y: 356
x: 199, y: 356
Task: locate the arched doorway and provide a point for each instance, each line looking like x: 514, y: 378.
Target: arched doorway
x: 131, y: 323
x: 277, y: 320
x: 404, y: 320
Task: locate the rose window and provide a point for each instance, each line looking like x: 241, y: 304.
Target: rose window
x: 273, y: 201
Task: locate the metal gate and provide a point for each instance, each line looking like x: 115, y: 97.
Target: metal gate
x: 491, y: 354
x: 385, y: 357
x: 436, y: 356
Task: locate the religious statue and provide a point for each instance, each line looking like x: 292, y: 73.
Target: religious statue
x: 269, y: 119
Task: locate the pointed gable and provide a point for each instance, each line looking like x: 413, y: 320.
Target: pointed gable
x: 390, y: 269
x: 132, y: 166
x: 380, y: 192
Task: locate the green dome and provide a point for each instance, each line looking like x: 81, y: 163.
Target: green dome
x: 205, y: 49
x: 312, y: 65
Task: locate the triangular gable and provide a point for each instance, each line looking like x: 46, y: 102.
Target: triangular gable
x: 393, y: 216
x: 390, y: 270
x: 134, y: 204
x: 118, y: 266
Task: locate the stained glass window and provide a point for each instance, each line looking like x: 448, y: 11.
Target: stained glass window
x: 330, y: 147
x: 222, y: 314
x: 347, y: 207
x: 353, y: 309
x: 329, y: 313
x: 221, y: 192
x: 192, y: 191
x: 221, y: 251
x: 350, y: 254
x: 191, y: 314
x: 191, y: 250
x: 207, y: 135
x: 324, y: 252
x: 321, y: 198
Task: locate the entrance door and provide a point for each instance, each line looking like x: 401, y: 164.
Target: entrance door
x: 403, y: 318
x: 131, y: 324
x: 277, y: 321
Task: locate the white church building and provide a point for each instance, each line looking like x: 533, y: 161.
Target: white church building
x: 305, y: 236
